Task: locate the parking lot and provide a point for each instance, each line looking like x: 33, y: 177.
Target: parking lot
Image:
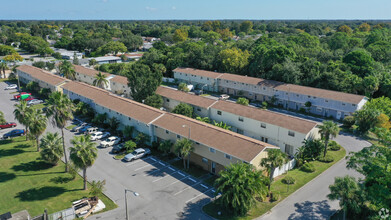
x: 163, y: 191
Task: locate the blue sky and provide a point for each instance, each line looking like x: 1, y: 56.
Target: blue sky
x: 195, y: 9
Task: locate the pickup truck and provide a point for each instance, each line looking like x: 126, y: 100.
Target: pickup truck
x: 8, y: 125
x: 14, y: 133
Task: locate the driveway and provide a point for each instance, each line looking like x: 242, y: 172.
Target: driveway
x: 164, y: 192
x: 310, y: 201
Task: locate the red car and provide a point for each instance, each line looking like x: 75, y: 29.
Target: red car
x: 8, y: 125
x: 22, y: 93
x: 29, y: 98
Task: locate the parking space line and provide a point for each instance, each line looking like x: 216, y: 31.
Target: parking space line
x: 188, y: 187
x: 181, y: 174
x: 151, y: 158
x: 168, y: 174
x: 204, y: 186
x: 134, y: 162
x: 204, y: 193
x: 162, y: 163
x: 192, y: 179
x: 157, y: 169
x: 171, y: 168
x: 145, y: 166
x: 176, y: 181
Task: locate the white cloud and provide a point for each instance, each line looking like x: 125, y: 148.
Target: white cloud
x: 173, y: 8
x: 150, y: 9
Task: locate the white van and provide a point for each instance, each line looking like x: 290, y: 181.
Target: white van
x: 91, y: 130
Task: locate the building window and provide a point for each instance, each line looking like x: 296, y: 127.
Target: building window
x: 240, y: 119
x: 264, y: 88
x: 319, y: 109
x: 326, y: 100
x: 309, y: 97
x: 167, y: 100
x: 353, y: 104
x: 212, y: 150
x: 297, y: 95
x: 228, y: 156
x: 201, y: 77
x: 197, y: 143
x: 291, y: 133
x: 343, y: 104
x: 167, y: 132
x: 129, y: 119
x: 204, y: 160
x: 289, y: 149
x: 263, y: 125
x: 109, y: 110
x: 226, y: 81
x: 207, y: 78
x: 198, y: 109
x: 178, y: 136
x: 219, y: 112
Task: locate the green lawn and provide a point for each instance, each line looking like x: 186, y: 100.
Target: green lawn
x: 262, y: 207
x: 70, y: 127
x: 28, y: 183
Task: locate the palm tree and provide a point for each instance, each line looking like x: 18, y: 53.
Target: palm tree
x: 222, y: 125
x: 184, y: 147
x: 60, y: 109
x: 100, y: 80
x: 37, y: 124
x: 275, y: 158
x: 21, y: 111
x: 348, y: 192
x: 83, y: 154
x: 128, y: 132
x: 113, y: 124
x: 239, y: 186
x: 68, y: 70
x: 3, y: 67
x: 327, y: 130
x: 52, y: 150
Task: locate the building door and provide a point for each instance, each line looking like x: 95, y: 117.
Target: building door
x: 213, y: 168
x: 338, y: 115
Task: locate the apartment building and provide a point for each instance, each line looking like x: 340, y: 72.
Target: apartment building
x: 44, y: 79
x: 87, y: 75
x: 214, y: 148
x: 284, y: 131
x: 323, y: 102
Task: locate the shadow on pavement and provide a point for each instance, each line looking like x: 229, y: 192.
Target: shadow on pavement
x: 311, y: 210
x: 194, y: 210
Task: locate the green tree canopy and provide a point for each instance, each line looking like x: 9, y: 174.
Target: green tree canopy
x: 154, y: 100
x: 51, y: 148
x: 183, y: 109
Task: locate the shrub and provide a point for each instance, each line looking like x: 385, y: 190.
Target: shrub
x: 308, y: 167
x: 348, y: 121
x: 302, y: 110
x: 264, y: 105
x: 288, y: 180
x: 242, y: 101
x: 334, y: 146
x: 327, y: 159
x: 183, y: 87
x: 73, y: 170
x: 275, y: 196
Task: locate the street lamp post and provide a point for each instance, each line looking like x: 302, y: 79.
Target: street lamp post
x: 126, y: 201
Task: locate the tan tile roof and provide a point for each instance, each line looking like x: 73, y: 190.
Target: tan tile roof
x: 284, y: 121
x: 120, y: 79
x: 305, y: 90
x: 124, y: 106
x: 198, y: 72
x: 42, y: 75
x: 184, y: 97
x: 229, y: 142
x: 88, y: 71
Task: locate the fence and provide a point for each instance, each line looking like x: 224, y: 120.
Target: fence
x: 284, y: 168
x: 66, y: 214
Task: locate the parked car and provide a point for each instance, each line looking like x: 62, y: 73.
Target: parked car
x: 118, y: 148
x: 84, y: 129
x: 27, y: 99
x: 224, y: 97
x: 34, y: 102
x: 11, y: 86
x: 17, y: 97
x: 110, y: 141
x: 136, y: 154
x: 91, y: 130
x: 8, y: 125
x: 198, y: 92
x: 99, y: 135
x: 78, y: 127
x: 14, y: 133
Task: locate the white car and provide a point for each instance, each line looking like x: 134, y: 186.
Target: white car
x: 136, y: 154
x: 34, y: 102
x: 99, y: 135
x: 224, y: 97
x: 110, y: 141
x: 11, y: 86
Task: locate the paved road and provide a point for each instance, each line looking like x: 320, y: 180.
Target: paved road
x: 164, y: 192
x: 310, y: 201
